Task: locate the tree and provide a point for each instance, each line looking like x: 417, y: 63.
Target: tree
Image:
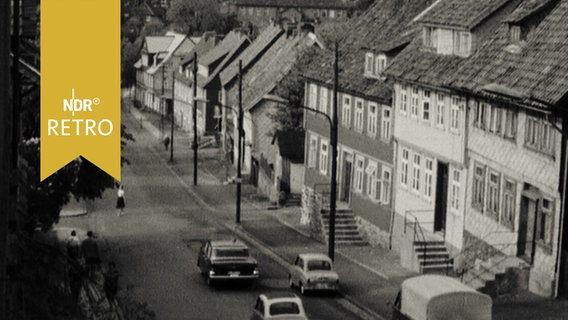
x: 130, y: 53
x: 197, y: 16
x: 291, y: 88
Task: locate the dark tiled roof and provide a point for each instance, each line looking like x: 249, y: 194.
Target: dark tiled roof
x: 290, y: 144
x: 232, y: 39
x: 535, y: 68
x: 207, y: 42
x: 267, y: 72
x: 298, y: 3
x: 251, y: 53
x: 386, y: 25
x: 230, y: 57
x: 417, y: 65
x: 460, y: 13
x: 528, y: 8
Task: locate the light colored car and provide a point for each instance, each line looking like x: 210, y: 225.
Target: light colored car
x: 278, y: 305
x: 313, y: 271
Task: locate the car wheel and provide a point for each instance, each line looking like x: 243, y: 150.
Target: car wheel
x: 302, y: 289
x: 290, y: 281
x: 210, y: 281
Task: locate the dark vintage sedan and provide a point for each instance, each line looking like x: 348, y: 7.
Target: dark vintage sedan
x: 226, y: 260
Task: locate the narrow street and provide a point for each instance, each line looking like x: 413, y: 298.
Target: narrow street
x: 155, y: 243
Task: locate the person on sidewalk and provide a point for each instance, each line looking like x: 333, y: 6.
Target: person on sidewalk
x: 73, y: 246
x: 120, y: 203
x: 167, y: 142
x: 90, y: 251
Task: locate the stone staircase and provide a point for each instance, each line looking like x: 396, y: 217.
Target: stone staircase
x: 433, y: 257
x: 346, y: 231
x: 498, y: 275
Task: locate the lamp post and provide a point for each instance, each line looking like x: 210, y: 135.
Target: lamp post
x: 194, y: 143
x: 333, y: 141
x: 173, y: 115
x: 239, y: 145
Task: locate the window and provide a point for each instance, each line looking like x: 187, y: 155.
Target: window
x: 461, y: 42
x: 372, y: 119
x: 510, y: 129
x: 495, y: 120
x: 371, y: 172
x: 430, y: 37
x: 386, y: 123
x: 386, y: 185
x: 323, y: 100
x: 478, y: 186
x: 545, y: 222
x: 440, y: 110
x: 369, y: 63
x: 358, y: 115
x: 332, y: 13
x: 323, y: 157
x: 313, y: 103
x: 426, y: 105
x: 313, y: 152
x: 404, y: 167
x: 508, y: 212
x: 493, y: 194
x: 515, y: 32
x: 346, y: 111
x: 540, y: 135
x: 359, y: 174
x: 403, y: 100
x: 480, y: 114
x: 455, y: 195
x: 414, y: 103
x: 428, y: 174
x: 455, y: 114
x: 380, y: 64
x: 416, y: 173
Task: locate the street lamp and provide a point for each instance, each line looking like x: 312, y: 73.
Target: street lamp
x: 333, y: 141
x: 194, y: 143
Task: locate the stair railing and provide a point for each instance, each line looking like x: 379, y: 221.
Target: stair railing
x: 418, y: 232
x: 489, y: 269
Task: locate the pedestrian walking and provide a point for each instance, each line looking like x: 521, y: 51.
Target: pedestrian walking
x: 73, y: 246
x: 90, y: 251
x: 111, y: 281
x: 120, y: 203
x: 167, y: 142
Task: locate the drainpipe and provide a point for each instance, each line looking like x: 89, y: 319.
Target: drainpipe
x: 563, y: 190
x: 393, y: 178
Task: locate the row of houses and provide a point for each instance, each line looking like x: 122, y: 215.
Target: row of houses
x: 450, y: 142
x: 451, y: 117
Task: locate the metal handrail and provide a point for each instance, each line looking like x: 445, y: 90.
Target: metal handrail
x: 485, y: 269
x: 418, y: 231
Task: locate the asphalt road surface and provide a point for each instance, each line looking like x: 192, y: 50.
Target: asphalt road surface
x: 155, y: 244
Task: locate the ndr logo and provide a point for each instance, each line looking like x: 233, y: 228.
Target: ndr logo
x: 76, y: 105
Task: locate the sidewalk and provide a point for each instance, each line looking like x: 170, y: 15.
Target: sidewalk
x: 369, y: 277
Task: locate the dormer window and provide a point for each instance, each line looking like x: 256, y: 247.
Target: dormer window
x: 375, y: 64
x: 462, y: 43
x: 430, y: 37
x: 515, y: 33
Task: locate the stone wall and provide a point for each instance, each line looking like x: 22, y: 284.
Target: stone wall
x: 311, y: 213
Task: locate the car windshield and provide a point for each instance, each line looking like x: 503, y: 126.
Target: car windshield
x: 318, y: 265
x: 286, y: 307
x: 230, y: 253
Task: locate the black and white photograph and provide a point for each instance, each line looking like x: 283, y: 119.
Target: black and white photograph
x: 296, y: 159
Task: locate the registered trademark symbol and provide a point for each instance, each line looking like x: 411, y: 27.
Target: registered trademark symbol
x: 96, y: 101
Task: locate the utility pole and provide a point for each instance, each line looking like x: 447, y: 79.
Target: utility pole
x: 6, y: 131
x: 173, y: 114
x: 194, y: 144
x: 162, y: 98
x: 332, y: 200
x: 239, y: 143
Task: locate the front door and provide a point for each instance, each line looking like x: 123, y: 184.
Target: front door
x: 346, y: 179
x: 527, y: 229
x: 441, y: 197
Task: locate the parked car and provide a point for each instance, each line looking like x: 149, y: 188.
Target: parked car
x: 436, y: 297
x: 226, y: 260
x: 281, y: 305
x: 313, y: 271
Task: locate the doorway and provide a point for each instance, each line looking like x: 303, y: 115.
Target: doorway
x: 441, y: 197
x: 527, y: 229
x: 346, y: 177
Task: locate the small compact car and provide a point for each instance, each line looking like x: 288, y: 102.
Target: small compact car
x: 281, y: 305
x: 313, y: 271
x: 226, y: 260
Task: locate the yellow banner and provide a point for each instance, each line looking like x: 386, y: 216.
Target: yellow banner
x: 80, y: 84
